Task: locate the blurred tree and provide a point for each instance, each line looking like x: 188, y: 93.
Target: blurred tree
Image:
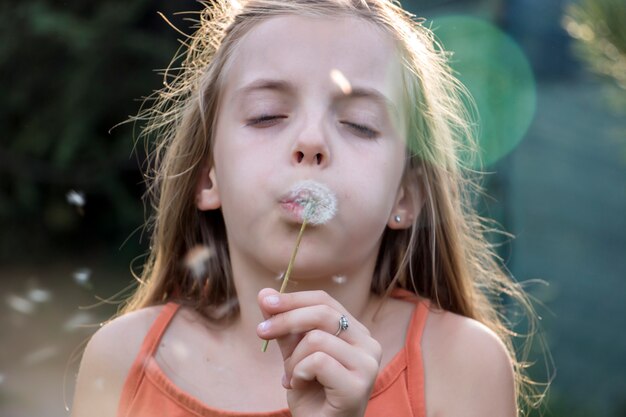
x: 599, y: 30
x: 71, y: 71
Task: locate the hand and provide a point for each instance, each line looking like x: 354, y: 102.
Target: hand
x: 325, y: 375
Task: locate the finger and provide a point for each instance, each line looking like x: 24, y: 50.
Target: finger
x: 343, y: 388
x: 274, y: 303
x: 284, y: 326
x: 290, y: 340
x: 364, y: 360
x: 264, y: 298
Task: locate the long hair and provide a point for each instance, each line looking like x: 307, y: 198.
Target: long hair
x: 444, y: 256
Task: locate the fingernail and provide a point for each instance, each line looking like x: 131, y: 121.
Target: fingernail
x: 272, y: 300
x: 285, y: 382
x: 264, y: 326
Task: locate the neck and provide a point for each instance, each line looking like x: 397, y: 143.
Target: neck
x: 352, y: 290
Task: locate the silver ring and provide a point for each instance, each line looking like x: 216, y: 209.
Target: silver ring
x: 343, y: 325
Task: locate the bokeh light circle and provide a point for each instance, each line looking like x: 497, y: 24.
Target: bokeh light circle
x: 499, y: 78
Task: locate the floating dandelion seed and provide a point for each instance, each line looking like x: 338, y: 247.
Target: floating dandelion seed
x: 77, y: 199
x: 39, y: 295
x: 280, y: 276
x: 20, y: 304
x: 81, y: 276
x: 77, y: 321
x: 339, y: 279
x: 40, y: 355
x: 99, y: 384
x: 341, y: 81
x: 319, y: 205
x: 224, y: 308
x: 196, y: 260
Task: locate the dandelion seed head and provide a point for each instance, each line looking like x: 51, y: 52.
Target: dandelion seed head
x: 318, y: 201
x: 196, y: 260
x: 341, y: 81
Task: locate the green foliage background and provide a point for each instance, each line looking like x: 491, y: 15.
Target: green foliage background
x: 599, y: 30
x: 71, y: 71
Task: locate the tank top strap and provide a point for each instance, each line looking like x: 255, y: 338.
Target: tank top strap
x: 148, y: 348
x: 413, y: 349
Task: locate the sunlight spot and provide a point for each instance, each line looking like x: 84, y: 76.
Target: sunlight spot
x: 180, y: 350
x: 341, y: 81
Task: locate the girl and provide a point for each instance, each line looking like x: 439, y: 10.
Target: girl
x: 390, y: 307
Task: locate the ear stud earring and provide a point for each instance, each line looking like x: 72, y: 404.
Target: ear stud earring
x: 397, y: 218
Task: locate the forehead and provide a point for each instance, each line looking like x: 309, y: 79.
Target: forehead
x: 305, y: 50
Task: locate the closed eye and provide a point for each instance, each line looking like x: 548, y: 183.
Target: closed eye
x: 363, y: 130
x: 265, y: 120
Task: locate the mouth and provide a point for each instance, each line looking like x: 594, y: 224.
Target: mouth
x: 311, y: 201
x: 292, y: 208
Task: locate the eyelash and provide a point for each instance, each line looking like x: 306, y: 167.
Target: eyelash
x: 370, y: 133
x: 264, y: 118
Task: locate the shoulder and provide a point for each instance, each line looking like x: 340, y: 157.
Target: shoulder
x: 106, y: 361
x: 467, y: 361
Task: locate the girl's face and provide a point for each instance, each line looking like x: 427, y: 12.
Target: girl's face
x: 285, y: 115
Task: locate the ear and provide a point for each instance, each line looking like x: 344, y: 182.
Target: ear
x: 207, y: 194
x: 408, y: 205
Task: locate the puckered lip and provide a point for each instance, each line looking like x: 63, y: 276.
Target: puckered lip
x: 290, y: 197
x: 291, y: 209
x: 307, y: 195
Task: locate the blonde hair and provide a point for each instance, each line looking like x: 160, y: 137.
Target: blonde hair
x: 444, y: 256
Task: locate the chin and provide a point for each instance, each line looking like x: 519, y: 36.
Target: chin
x: 306, y: 268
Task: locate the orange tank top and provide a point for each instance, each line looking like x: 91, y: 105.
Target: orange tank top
x: 398, y: 390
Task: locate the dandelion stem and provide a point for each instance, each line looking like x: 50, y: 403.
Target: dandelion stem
x: 289, y: 268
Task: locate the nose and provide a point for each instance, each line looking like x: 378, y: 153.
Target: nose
x: 310, y: 148
x: 308, y: 158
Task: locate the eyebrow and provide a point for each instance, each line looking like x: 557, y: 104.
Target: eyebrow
x: 283, y: 86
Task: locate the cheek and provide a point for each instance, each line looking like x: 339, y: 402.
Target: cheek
x: 372, y: 194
